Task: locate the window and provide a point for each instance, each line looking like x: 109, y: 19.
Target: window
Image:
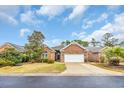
x: 45, y: 55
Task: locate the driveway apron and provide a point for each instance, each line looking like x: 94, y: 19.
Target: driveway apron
x: 85, y: 69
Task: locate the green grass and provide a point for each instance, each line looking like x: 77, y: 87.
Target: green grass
x: 119, y: 68
x: 34, y: 68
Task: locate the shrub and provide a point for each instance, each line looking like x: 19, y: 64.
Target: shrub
x: 45, y: 60
x: 24, y: 58
x: 5, y: 62
x: 14, y: 59
x: 114, y: 61
x: 112, y: 55
x: 102, y: 59
x: 11, y: 55
x: 50, y: 61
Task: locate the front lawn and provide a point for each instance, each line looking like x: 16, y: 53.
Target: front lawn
x: 34, y: 68
x: 119, y: 68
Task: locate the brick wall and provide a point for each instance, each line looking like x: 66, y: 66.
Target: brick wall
x: 93, y: 57
x: 73, y: 49
x: 51, y: 53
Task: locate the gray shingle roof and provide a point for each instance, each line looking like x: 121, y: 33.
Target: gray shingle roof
x: 17, y: 47
x: 21, y: 48
x: 94, y: 49
x: 58, y: 47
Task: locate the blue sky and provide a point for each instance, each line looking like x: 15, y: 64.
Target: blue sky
x: 59, y: 23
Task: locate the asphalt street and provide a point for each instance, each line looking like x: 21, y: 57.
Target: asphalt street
x: 61, y: 81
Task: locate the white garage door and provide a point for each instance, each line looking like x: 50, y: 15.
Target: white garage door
x: 73, y: 58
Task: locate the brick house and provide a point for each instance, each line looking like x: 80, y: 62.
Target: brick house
x: 73, y: 52
x: 10, y: 45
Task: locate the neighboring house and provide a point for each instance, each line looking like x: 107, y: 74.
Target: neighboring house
x: 73, y: 52
x: 10, y: 45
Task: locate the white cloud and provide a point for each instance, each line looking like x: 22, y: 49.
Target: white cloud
x: 53, y: 42
x: 8, y: 14
x: 25, y: 8
x: 99, y: 33
x: 11, y: 10
x: 117, y: 28
x: 89, y: 23
x: 113, y: 7
x: 120, y: 37
x: 55, y: 10
x: 8, y: 19
x: 119, y: 23
x: 76, y: 13
x: 79, y: 35
x: 51, y: 11
x: 102, y: 17
x: 23, y: 31
x: 29, y: 18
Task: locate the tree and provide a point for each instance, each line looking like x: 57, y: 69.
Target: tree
x: 94, y: 43
x: 109, y: 40
x: 12, y: 56
x: 122, y: 44
x: 83, y: 43
x: 66, y: 42
x: 34, y: 47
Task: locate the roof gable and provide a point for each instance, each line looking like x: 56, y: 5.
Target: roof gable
x: 72, y: 44
x: 49, y: 48
x: 17, y: 47
x: 58, y: 47
x: 6, y: 44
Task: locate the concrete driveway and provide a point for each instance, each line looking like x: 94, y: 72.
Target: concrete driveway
x: 85, y: 69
